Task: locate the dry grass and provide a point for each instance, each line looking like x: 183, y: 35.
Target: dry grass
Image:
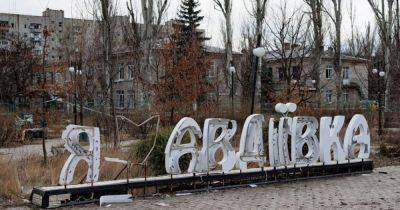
x: 17, y: 178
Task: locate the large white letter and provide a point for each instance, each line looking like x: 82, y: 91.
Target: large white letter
x: 308, y: 138
x: 175, y: 149
x: 363, y: 139
x: 71, y: 137
x: 212, y: 142
x: 278, y: 141
x: 329, y: 139
x: 251, y: 142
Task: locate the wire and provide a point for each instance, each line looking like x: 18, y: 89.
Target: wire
x: 121, y: 117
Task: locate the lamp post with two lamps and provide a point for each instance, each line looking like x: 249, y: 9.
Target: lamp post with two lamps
x: 259, y: 53
x: 380, y: 75
x: 75, y: 72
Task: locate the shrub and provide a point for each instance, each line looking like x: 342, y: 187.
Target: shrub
x: 156, y: 159
x: 8, y: 130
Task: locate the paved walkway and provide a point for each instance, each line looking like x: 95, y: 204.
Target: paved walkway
x: 379, y: 190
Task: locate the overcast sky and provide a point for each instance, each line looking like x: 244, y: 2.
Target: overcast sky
x: 212, y: 20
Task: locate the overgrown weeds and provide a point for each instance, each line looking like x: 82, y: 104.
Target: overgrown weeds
x: 8, y: 130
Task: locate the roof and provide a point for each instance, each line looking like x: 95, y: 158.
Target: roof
x: 297, y: 54
x: 212, y: 49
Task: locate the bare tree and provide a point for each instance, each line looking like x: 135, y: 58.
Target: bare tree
x: 352, y: 40
x: 385, y: 19
x: 107, y: 21
x: 336, y: 18
x: 142, y: 38
x: 259, y: 9
x: 17, y: 70
x: 316, y: 9
x: 288, y: 46
x: 225, y: 6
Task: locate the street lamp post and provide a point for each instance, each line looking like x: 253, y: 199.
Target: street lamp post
x: 380, y: 75
x: 75, y: 72
x: 259, y: 53
x: 232, y: 71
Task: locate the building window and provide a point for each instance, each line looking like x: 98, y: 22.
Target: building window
x: 121, y: 73
x: 213, y: 69
x: 58, y: 77
x: 345, y: 96
x: 59, y: 24
x: 328, y: 96
x: 346, y: 72
x: 130, y: 72
x: 131, y: 103
x: 120, y: 99
x: 296, y: 72
x: 280, y: 74
x: 329, y: 72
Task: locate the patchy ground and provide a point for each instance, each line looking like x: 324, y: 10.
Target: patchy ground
x: 379, y: 190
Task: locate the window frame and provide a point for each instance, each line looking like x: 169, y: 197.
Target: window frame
x: 131, y: 72
x: 328, y: 96
x: 329, y: 72
x: 130, y: 104
x: 120, y: 98
x: 346, y: 72
x: 120, y: 72
x: 345, y: 96
x: 281, y: 75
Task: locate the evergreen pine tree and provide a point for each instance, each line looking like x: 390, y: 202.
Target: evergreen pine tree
x: 189, y: 19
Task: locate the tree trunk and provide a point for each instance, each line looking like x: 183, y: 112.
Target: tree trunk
x: 108, y: 61
x: 337, y: 19
x: 387, y: 47
x: 316, y: 18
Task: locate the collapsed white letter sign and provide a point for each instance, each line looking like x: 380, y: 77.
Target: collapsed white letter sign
x: 363, y: 139
x: 175, y: 149
x: 251, y: 142
x: 212, y: 144
x: 329, y: 139
x: 71, y: 137
x: 307, y: 138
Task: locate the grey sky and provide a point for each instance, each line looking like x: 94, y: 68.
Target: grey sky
x: 212, y: 20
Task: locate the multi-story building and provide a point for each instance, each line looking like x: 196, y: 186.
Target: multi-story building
x: 129, y: 95
x: 68, y: 40
x: 354, y: 79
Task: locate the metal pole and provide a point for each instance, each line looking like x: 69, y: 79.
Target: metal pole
x: 253, y: 90
x: 255, y: 67
x: 232, y: 95
x: 75, y: 96
x: 379, y: 108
